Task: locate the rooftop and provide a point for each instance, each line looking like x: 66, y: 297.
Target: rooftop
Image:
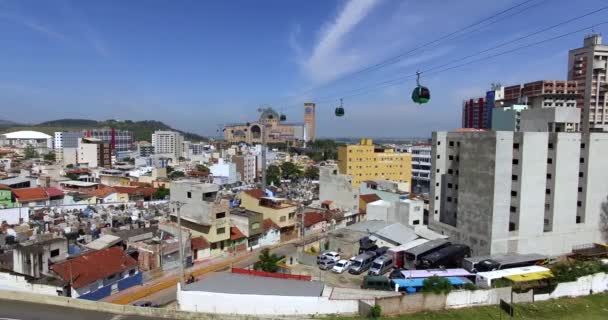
x: 30, y: 194
x: 26, y: 135
x: 312, y: 218
x: 77, y: 183
x: 103, y: 242
x: 231, y: 283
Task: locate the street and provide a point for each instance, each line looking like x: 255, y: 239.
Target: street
x: 18, y: 310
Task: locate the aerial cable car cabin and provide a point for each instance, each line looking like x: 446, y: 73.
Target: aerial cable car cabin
x: 340, y: 110
x: 421, y: 94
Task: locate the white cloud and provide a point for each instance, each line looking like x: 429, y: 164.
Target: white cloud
x: 35, y: 26
x: 328, y: 58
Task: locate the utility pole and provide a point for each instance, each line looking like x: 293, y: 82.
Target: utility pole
x: 179, y: 205
x: 264, y: 157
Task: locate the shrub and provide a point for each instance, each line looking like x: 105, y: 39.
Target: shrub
x: 375, y: 312
x: 570, y: 271
x: 436, y: 285
x: 501, y: 283
x: 470, y: 286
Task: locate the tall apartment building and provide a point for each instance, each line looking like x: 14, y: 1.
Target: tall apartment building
x: 66, y: 139
x: 588, y: 67
x: 421, y: 168
x: 202, y: 211
x: 519, y: 192
x: 168, y: 142
x: 246, y: 167
x: 542, y: 94
x: 309, y: 120
x: 94, y: 153
x: 123, y: 139
x: 364, y: 161
x: 476, y: 114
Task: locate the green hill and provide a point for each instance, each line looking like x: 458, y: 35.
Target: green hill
x: 142, y: 130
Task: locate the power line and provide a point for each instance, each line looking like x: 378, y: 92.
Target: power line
x: 402, y: 55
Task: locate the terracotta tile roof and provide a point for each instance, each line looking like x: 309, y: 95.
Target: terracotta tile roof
x: 135, y: 190
x: 256, y: 193
x: 78, y: 171
x: 5, y: 187
x: 312, y: 218
x: 268, y: 224
x: 30, y: 194
x: 54, y: 192
x: 94, y: 266
x: 236, y: 234
x: 199, y: 243
x: 369, y: 198
x: 195, y: 173
x: 327, y: 202
x: 102, y: 192
x: 140, y: 184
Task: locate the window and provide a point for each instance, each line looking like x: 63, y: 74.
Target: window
x: 449, y: 186
x: 547, y: 191
x: 580, y: 175
x: 416, y: 222
x: 189, y: 194
x: 582, y: 160
x: 450, y: 171
x: 512, y: 226
x: 437, y: 198
x: 515, y: 161
x: 220, y: 215
x: 513, y: 193
x: 438, y: 143
x: 582, y: 146
x: 550, y: 146
x: 131, y: 272
x: 438, y: 156
x: 549, y: 161
x: 54, y: 253
x: 548, y: 176
x: 513, y: 209
x: 516, y: 146
x: 451, y: 143
x: 255, y: 225
x: 580, y: 189
x: 282, y: 219
x: 579, y: 219
x: 437, y: 170
x: 451, y: 157
x: 449, y: 199
x: 579, y: 204
x: 221, y: 230
x: 514, y: 177
x: 437, y: 184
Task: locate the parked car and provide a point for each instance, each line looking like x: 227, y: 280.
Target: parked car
x: 381, y: 251
x: 381, y: 265
x: 448, y: 257
x: 328, y: 255
x: 341, y: 266
x: 146, y: 304
x: 376, y: 283
x: 326, y: 264
x: 361, y: 263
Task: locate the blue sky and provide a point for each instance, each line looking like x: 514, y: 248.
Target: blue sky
x: 199, y: 64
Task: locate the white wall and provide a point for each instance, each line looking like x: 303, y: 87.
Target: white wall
x: 583, y: 286
x: 12, y: 215
x: 18, y: 283
x: 222, y: 303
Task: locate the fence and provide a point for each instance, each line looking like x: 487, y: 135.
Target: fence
x: 271, y: 275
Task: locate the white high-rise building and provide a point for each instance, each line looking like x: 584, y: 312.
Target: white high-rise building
x: 588, y: 66
x: 169, y: 143
x: 421, y: 168
x: 519, y: 192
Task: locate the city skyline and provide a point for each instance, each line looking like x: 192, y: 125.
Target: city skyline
x: 213, y: 64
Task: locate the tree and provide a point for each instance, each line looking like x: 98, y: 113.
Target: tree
x: 312, y: 173
x: 162, y: 193
x: 267, y: 262
x: 290, y: 171
x: 604, y: 220
x: 169, y: 170
x: 436, y: 285
x: 30, y: 152
x: 273, y: 175
x: 202, y: 167
x: 181, y: 159
x: 72, y: 176
x: 177, y: 174
x: 50, y: 156
x: 129, y: 160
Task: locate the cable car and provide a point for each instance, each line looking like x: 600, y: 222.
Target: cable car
x: 420, y: 94
x: 340, y: 110
x: 283, y: 117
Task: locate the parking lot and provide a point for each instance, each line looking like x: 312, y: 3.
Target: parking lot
x: 345, y: 280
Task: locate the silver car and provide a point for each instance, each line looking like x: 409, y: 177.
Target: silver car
x: 326, y: 264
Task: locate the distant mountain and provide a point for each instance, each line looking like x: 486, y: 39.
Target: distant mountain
x: 7, y: 123
x: 142, y: 130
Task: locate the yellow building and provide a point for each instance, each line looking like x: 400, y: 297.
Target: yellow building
x: 364, y: 161
x: 280, y: 211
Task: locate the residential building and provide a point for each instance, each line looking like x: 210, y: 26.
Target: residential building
x: 519, y: 192
x: 97, y: 274
x: 145, y: 149
x: 409, y: 212
x: 542, y: 94
x: 226, y: 170
x: 476, y: 114
x: 202, y: 211
x: 309, y: 121
x: 250, y: 223
x: 271, y: 234
x: 281, y: 211
x: 421, y: 169
x: 507, y: 118
x: 336, y: 190
x: 168, y: 143
x: 558, y: 119
x: 34, y: 257
x: 6, y: 197
x: 270, y: 125
x: 246, y: 167
x: 588, y: 67
x: 67, y: 139
x: 314, y: 222
x: 119, y: 140
x: 364, y: 161
x: 28, y: 197
x: 94, y: 153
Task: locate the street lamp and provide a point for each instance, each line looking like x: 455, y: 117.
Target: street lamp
x: 179, y: 205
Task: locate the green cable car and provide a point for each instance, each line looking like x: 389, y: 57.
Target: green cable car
x: 420, y: 94
x: 283, y: 117
x: 340, y: 110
